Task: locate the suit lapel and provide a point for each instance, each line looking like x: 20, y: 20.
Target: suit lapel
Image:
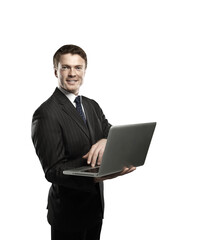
x: 69, y: 109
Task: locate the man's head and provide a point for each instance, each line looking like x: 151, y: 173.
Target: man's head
x: 72, y: 49
x: 70, y: 63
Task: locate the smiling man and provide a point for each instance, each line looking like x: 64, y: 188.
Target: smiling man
x: 71, y: 130
x: 70, y: 72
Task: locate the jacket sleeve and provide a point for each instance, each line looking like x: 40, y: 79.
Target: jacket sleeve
x: 49, y: 146
x: 105, y: 124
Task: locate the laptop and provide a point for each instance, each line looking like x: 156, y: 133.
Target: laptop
x: 126, y: 145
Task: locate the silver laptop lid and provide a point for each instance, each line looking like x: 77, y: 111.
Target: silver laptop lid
x: 126, y: 145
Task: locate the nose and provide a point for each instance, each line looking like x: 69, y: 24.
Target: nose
x: 72, y: 72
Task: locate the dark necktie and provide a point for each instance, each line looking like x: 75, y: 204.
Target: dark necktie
x: 79, y: 108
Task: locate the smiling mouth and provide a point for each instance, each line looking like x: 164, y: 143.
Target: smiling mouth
x: 71, y: 81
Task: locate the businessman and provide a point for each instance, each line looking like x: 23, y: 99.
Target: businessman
x: 71, y: 130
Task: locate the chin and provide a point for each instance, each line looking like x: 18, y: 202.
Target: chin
x: 75, y: 91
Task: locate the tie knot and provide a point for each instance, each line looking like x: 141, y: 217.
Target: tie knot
x: 77, y: 100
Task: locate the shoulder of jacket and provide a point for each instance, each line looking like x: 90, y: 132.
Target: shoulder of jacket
x: 47, y: 107
x: 91, y: 101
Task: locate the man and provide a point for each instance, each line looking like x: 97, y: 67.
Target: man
x: 66, y: 132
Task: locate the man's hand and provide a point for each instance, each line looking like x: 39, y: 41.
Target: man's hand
x: 125, y: 170
x: 95, y: 155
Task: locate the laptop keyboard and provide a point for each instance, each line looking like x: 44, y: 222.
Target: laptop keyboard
x: 92, y: 170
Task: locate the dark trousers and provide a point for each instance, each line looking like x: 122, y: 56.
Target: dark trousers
x: 89, y: 233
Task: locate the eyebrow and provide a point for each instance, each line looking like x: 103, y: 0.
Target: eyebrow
x: 71, y: 66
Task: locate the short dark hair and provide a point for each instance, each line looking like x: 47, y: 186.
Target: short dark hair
x: 70, y: 48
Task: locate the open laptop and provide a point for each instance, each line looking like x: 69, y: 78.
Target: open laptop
x: 126, y: 145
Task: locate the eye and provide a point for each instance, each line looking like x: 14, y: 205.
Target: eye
x: 78, y: 67
x: 65, y: 67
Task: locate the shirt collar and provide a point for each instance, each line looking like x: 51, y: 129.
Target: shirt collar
x: 70, y: 96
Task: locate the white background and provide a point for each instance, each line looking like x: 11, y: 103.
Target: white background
x: 142, y: 67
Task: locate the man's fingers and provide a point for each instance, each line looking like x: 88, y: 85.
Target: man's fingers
x: 86, y: 156
x: 89, y: 158
x: 96, y: 153
x: 124, y: 171
x: 100, y: 157
x: 96, y: 157
x: 111, y: 176
x: 131, y: 169
x: 89, y: 155
x: 127, y: 170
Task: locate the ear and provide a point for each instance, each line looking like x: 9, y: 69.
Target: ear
x: 55, y: 72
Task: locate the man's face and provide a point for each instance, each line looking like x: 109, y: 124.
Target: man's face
x: 70, y: 72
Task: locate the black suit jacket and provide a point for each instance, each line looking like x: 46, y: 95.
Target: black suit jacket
x: 61, y: 138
